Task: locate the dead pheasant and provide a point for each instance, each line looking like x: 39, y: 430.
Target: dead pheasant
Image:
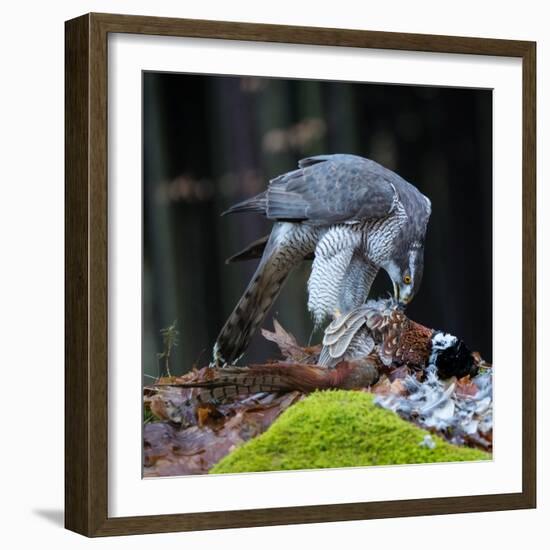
x: 356, y: 346
x: 381, y: 328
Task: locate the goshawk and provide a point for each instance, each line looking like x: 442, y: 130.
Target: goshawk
x: 355, y: 216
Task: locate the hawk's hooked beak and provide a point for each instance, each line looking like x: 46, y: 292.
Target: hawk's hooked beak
x: 396, y: 292
x: 405, y: 300
x: 401, y: 299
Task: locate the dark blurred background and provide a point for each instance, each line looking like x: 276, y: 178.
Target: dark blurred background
x: 211, y: 141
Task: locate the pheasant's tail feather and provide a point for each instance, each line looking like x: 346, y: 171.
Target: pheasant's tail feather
x: 239, y: 384
x: 231, y: 382
x: 234, y: 382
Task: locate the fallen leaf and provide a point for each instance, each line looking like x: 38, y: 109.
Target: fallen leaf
x: 193, y: 435
x: 466, y: 387
x: 288, y: 345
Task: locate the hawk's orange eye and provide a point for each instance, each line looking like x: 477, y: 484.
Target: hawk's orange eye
x: 407, y: 279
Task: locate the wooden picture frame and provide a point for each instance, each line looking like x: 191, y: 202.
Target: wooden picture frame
x: 86, y: 357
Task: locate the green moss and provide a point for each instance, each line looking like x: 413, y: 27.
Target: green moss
x: 339, y: 429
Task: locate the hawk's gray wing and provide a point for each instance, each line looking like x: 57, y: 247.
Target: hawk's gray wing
x: 331, y: 189
x: 325, y: 190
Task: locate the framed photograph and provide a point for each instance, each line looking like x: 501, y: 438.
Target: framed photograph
x: 300, y: 275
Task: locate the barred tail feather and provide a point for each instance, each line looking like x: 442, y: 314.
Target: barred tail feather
x: 232, y: 382
x: 287, y: 246
x: 252, y: 308
x: 241, y: 381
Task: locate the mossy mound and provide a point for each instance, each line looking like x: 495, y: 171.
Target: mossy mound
x: 332, y: 429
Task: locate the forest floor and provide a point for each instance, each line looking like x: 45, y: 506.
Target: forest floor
x: 406, y: 417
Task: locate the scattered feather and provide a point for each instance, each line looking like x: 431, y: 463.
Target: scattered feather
x: 428, y: 442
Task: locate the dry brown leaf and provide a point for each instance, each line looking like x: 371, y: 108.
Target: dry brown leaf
x: 196, y: 435
x: 382, y: 387
x: 466, y: 387
x: 288, y: 345
x: 398, y: 388
x: 399, y: 373
x: 209, y: 415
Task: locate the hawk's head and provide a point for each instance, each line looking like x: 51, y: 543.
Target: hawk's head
x: 405, y: 271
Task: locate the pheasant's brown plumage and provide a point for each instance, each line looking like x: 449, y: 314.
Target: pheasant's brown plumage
x: 401, y: 340
x: 382, y: 328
